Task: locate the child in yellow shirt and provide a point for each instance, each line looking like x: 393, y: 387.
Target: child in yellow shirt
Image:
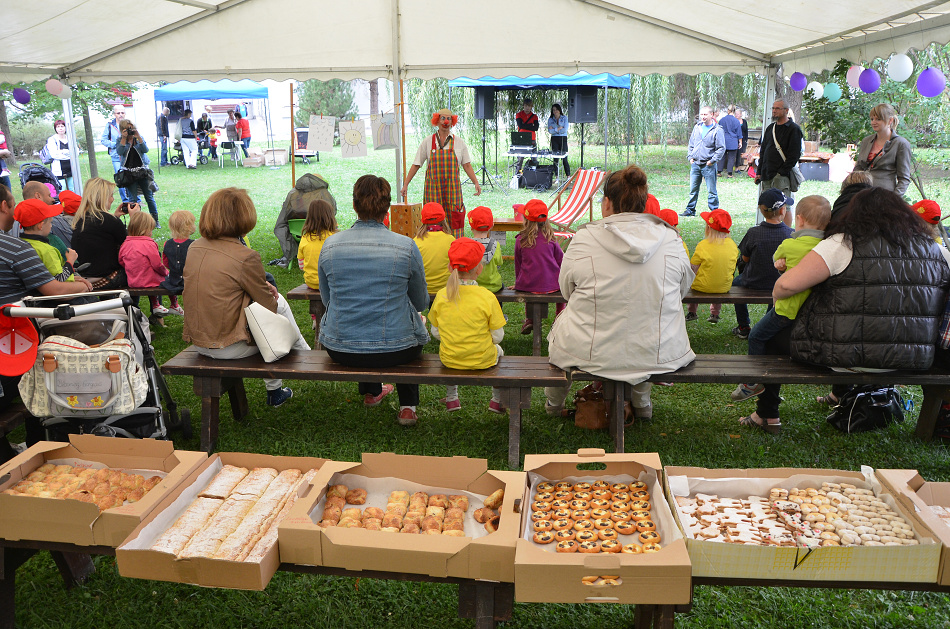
x: 320, y: 225
x: 714, y: 261
x: 433, y: 240
x: 467, y: 320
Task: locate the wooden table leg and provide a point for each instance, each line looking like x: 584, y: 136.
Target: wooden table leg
x: 614, y: 395
x: 317, y: 310
x: 643, y: 617
x: 209, y: 390
x: 10, y: 560
x: 663, y: 616
x: 539, y: 312
x: 74, y: 567
x: 515, y: 400
x: 487, y: 602
x: 930, y: 410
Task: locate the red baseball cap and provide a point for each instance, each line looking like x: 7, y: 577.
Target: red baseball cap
x: 70, y: 201
x: 718, y: 220
x: 432, y: 213
x: 653, y: 206
x: 535, y: 210
x: 928, y: 210
x: 465, y: 254
x: 670, y: 217
x: 480, y: 219
x: 33, y: 211
x: 18, y: 344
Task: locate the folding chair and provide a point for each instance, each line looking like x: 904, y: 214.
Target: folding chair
x: 586, y: 184
x: 234, y: 152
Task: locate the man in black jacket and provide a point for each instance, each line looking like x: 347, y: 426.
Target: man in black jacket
x: 777, y: 160
x: 162, y: 127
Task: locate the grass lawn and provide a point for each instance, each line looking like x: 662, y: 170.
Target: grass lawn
x: 692, y: 425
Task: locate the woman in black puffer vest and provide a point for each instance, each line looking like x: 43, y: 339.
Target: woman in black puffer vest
x: 879, y: 285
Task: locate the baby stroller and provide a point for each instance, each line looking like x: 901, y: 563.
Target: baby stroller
x: 180, y: 157
x: 95, y: 371
x: 33, y: 171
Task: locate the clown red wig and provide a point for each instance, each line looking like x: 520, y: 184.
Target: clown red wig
x: 437, y: 115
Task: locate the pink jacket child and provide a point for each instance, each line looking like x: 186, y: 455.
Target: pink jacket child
x: 142, y: 262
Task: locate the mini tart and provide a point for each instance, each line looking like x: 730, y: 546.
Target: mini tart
x: 600, y: 484
x: 602, y: 494
x: 579, y: 504
x: 597, y: 514
x: 563, y: 486
x: 625, y: 528
x: 580, y: 514
x: 620, y: 516
x: 563, y: 535
x: 544, y: 537
x: 599, y: 503
x: 603, y: 523
x: 583, y: 525
x: 541, y: 505
x: 622, y: 496
x: 582, y: 495
x: 561, y: 504
x: 636, y: 516
x: 586, y: 536
x: 640, y: 494
x: 649, y: 537
x: 564, y: 524
x: 619, y: 487
x: 563, y: 495
x: 610, y: 546
x: 567, y: 546
x: 581, y: 487
x: 544, y: 496
x: 591, y: 546
x: 640, y: 505
x: 646, y: 525
x: 540, y: 515
x: 651, y: 548
x: 562, y: 514
x: 632, y: 549
x: 619, y: 505
x: 544, y: 487
x: 543, y: 525
x: 637, y: 484
x: 607, y: 534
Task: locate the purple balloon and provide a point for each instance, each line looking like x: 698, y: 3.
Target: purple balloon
x: 931, y: 82
x: 798, y: 81
x: 21, y: 96
x: 869, y: 81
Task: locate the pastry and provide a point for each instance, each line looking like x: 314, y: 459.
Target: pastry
x: 582, y: 495
x: 543, y: 525
x: 620, y: 516
x: 591, y: 546
x: 632, y: 549
x: 356, y: 496
x: 581, y: 487
x: 373, y: 512
x: 562, y: 514
x: 439, y: 500
x: 599, y: 503
x: 622, y: 496
x: 567, y: 546
x: 399, y: 497
x: 562, y: 495
x: 495, y: 499
x: 609, y: 546
x: 541, y: 515
x: 563, y: 486
x: 640, y: 494
x: 563, y: 535
x: 603, y: 523
x: 600, y: 484
x: 544, y: 496
x: 429, y: 523
x: 597, y: 514
x: 625, y: 528
x: 619, y: 487
x: 561, y: 504
x: 543, y: 537
x: 492, y: 524
x: 545, y: 486
x: 601, y: 494
x: 635, y: 485
x: 646, y: 525
x: 337, y: 490
x: 583, y: 525
x: 585, y: 536
x: 639, y: 515
x: 580, y: 514
x: 606, y: 534
x: 651, y: 548
x: 438, y: 512
x: 483, y: 515
x: 579, y: 504
x: 563, y: 524
x: 649, y: 537
x: 640, y: 505
x: 619, y: 505
x: 540, y: 505
x: 454, y: 533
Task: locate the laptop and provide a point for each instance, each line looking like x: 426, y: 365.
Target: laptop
x: 521, y: 138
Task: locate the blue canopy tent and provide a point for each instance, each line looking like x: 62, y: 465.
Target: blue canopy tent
x: 208, y: 90
x: 558, y: 81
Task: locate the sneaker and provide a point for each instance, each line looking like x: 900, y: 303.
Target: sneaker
x: 497, y: 407
x: 713, y: 319
x: 452, y: 405
x: 527, y: 327
x: 688, y: 213
x: 278, y: 396
x: 159, y: 310
x: 553, y: 411
x: 745, y: 391
x: 373, y: 400
x: 742, y: 331
x: 178, y: 310
x: 278, y: 262
x: 691, y: 316
x: 407, y: 417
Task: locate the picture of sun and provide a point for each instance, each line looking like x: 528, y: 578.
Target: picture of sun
x: 353, y: 139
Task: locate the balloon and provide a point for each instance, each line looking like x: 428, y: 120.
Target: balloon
x: 931, y: 82
x: 54, y: 87
x: 66, y: 93
x: 900, y: 67
x: 854, y: 73
x: 869, y: 81
x: 832, y: 92
x: 21, y: 96
x: 798, y: 81
x: 815, y: 89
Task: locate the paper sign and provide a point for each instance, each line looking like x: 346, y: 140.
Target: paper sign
x: 320, y: 136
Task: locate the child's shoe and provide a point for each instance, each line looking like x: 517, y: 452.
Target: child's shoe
x: 452, y: 405
x: 373, y: 400
x: 178, y: 310
x: 159, y: 310
x: 742, y: 331
x: 407, y: 417
x: 691, y: 316
x: 278, y: 396
x: 527, y: 327
x: 497, y: 407
x: 714, y: 319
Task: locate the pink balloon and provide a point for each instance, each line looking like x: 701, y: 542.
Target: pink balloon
x: 869, y: 81
x: 931, y: 82
x: 798, y: 81
x: 854, y: 73
x: 54, y: 87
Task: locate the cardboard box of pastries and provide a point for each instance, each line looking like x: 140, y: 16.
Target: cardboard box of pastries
x: 547, y: 574
x: 930, y: 502
x: 474, y: 554
x: 218, y: 527
x: 795, y: 560
x: 74, y: 521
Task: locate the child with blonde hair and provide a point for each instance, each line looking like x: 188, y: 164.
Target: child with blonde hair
x: 433, y: 239
x: 714, y: 261
x: 319, y: 225
x: 139, y: 256
x: 537, y: 257
x: 182, y: 225
x: 481, y: 221
x: 467, y: 320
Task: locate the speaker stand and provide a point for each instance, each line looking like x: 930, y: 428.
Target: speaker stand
x: 487, y: 179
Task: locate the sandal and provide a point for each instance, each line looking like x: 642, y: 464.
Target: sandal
x: 772, y: 429
x: 829, y: 400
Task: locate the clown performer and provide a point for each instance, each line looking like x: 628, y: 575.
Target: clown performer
x: 445, y: 152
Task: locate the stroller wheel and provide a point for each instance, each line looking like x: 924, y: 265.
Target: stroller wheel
x: 174, y: 160
x: 203, y: 159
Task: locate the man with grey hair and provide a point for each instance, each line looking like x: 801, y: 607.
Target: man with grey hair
x: 781, y: 148
x: 110, y: 137
x: 707, y: 144
x: 161, y: 126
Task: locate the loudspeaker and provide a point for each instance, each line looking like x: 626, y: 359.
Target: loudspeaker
x: 583, y: 104
x: 484, y: 103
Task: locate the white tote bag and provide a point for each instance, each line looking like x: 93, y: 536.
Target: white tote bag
x: 273, y: 333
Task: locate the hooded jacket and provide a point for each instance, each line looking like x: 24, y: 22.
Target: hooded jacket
x: 308, y: 188
x: 624, y: 277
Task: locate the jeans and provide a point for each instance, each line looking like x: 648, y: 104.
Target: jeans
x: 696, y: 174
x: 742, y: 310
x: 766, y: 329
x: 116, y: 165
x: 163, y: 142
x: 132, y: 193
x: 408, y: 393
x: 247, y: 144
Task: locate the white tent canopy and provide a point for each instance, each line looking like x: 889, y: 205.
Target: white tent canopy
x: 151, y: 40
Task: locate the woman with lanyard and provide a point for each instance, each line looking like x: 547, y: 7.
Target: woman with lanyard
x: 445, y: 152
x: 884, y: 154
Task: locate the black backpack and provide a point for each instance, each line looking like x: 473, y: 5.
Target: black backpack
x: 867, y: 408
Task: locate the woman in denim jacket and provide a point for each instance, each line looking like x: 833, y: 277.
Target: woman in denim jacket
x: 373, y: 285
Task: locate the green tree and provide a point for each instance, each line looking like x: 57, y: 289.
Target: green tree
x: 324, y: 98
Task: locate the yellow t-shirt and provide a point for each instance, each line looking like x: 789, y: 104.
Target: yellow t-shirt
x: 309, y: 251
x: 717, y: 265
x: 435, y: 258
x: 465, y: 327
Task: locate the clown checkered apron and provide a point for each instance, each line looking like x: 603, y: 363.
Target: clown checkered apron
x: 442, y: 183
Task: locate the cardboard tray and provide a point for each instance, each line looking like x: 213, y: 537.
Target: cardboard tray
x: 80, y: 523
x: 906, y: 564
x: 918, y: 495
x: 661, y: 578
x: 490, y: 557
x: 136, y: 559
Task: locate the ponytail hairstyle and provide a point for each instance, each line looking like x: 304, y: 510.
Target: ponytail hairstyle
x: 321, y: 218
x: 424, y: 229
x: 465, y: 256
x: 434, y: 218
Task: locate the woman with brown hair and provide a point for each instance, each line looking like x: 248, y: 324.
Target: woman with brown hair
x: 222, y: 277
x: 624, y: 277
x: 884, y: 154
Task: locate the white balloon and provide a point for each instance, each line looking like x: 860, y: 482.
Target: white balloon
x: 854, y: 73
x: 66, y: 93
x: 900, y: 67
x: 816, y: 89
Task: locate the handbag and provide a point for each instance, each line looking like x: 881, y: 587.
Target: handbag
x: 125, y: 177
x: 591, y: 409
x: 795, y: 177
x: 45, y: 157
x: 867, y: 408
x: 273, y: 333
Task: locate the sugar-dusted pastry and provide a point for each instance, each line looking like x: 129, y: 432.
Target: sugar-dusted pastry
x: 454, y: 513
x: 397, y: 508
x: 150, y: 483
x: 495, y: 499
x: 356, y: 496
x: 192, y: 519
x: 401, y: 497
x: 438, y: 512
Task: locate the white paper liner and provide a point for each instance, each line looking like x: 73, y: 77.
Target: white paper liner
x: 663, y: 518
x: 96, y: 465
x: 742, y: 488
x: 378, y: 490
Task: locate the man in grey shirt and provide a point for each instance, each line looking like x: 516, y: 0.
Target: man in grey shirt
x: 707, y: 144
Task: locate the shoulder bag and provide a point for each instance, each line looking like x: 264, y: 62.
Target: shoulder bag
x: 867, y: 408
x: 125, y: 177
x: 795, y: 177
x: 45, y: 157
x: 273, y: 333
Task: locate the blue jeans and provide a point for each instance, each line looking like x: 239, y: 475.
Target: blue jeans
x: 116, y: 165
x: 163, y: 142
x: 696, y: 174
x: 765, y: 330
x: 133, y: 194
x: 742, y: 310
x: 247, y: 144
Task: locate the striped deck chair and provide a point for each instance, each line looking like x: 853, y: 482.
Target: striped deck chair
x: 586, y: 184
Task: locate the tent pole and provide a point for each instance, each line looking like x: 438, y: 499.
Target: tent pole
x: 293, y: 140
x: 73, y: 145
x: 270, y: 133
x: 605, y: 128
x: 628, y: 125
x: 158, y: 139
x: 400, y: 98
x: 767, y: 99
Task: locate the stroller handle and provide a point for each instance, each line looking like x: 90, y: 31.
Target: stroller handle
x: 65, y: 312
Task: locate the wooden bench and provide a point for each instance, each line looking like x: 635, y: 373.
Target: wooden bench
x: 733, y: 369
x: 12, y: 417
x: 514, y: 375
x: 736, y: 295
